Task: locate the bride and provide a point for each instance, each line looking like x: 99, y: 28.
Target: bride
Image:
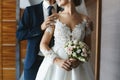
x: 70, y: 25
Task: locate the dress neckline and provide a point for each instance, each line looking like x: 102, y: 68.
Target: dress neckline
x: 71, y: 30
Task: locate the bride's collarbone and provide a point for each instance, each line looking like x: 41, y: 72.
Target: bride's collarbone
x: 69, y: 21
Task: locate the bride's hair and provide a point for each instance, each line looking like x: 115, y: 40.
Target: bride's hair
x: 77, y: 2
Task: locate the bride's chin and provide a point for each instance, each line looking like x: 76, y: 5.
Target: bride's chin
x: 61, y: 5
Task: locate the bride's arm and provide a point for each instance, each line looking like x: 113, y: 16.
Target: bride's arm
x: 44, y: 45
x: 46, y: 39
x: 49, y: 53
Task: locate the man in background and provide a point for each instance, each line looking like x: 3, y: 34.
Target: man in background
x: 30, y: 29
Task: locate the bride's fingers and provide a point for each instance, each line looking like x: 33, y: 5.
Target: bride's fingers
x: 75, y: 63
x: 66, y: 68
x: 67, y: 64
x: 50, y: 23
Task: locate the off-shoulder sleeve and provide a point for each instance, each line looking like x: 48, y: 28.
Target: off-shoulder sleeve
x: 88, y: 26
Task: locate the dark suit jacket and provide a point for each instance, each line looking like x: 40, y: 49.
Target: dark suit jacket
x: 29, y: 29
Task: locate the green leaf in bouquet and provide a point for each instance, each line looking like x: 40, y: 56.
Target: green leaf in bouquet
x: 82, y: 59
x: 74, y: 54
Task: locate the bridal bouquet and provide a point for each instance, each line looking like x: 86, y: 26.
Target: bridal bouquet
x: 78, y: 50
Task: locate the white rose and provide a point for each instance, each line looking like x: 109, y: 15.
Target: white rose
x: 78, y: 51
x: 75, y: 42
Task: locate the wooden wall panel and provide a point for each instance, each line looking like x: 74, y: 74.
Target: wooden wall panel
x: 9, y: 57
x: 7, y: 39
x: 9, y: 27
x: 9, y: 9
x: 9, y: 74
x: 0, y: 43
x: 9, y: 4
x: 9, y: 30
x: 9, y: 14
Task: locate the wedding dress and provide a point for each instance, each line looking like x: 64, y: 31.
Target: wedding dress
x: 50, y: 71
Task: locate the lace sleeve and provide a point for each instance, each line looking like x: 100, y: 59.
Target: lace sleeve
x: 50, y: 54
x: 49, y: 29
x: 88, y: 26
x: 88, y: 31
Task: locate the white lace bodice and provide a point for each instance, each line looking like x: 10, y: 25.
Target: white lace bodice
x: 51, y: 71
x: 63, y: 33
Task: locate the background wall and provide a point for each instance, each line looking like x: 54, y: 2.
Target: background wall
x: 7, y: 39
x: 110, y: 41
x: 24, y: 3
x: 32, y: 2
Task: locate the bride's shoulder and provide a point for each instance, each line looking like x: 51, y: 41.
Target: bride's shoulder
x: 61, y: 16
x: 85, y: 17
x: 88, y: 21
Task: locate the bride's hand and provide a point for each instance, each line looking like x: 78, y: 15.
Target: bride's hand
x: 65, y: 64
x: 75, y: 62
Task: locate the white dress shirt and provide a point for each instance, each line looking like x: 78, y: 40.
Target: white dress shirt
x: 45, y: 8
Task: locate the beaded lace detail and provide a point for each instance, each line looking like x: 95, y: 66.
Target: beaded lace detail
x: 63, y: 33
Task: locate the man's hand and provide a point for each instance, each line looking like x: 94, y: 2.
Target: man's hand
x: 50, y: 21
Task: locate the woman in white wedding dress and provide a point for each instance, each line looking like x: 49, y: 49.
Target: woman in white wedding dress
x: 70, y: 25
